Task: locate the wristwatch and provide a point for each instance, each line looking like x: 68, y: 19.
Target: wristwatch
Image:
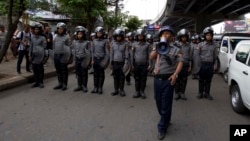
x: 176, y: 75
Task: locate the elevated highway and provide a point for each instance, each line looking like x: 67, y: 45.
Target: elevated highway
x: 197, y: 14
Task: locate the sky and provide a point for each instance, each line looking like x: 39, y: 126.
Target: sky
x: 144, y: 9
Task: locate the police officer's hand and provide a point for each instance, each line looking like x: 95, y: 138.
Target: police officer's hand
x: 111, y: 67
x: 189, y: 69
x: 132, y: 68
x: 92, y: 62
x: 149, y: 67
x: 172, y: 79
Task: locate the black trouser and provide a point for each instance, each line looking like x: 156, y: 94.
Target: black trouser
x: 128, y: 79
x: 21, y: 54
x: 81, y: 73
x: 61, y: 70
x: 38, y: 71
x: 118, y: 75
x: 140, y: 75
x: 181, y: 82
x: 205, y: 77
x: 99, y: 75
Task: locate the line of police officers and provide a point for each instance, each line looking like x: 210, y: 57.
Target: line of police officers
x: 169, y: 61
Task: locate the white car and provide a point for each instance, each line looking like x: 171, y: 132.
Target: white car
x: 239, y: 77
x: 228, y: 43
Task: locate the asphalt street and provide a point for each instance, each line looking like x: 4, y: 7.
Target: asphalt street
x: 35, y: 114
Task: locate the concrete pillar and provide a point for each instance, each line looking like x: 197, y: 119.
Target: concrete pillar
x: 201, y: 22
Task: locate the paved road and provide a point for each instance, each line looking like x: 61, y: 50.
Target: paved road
x: 47, y: 115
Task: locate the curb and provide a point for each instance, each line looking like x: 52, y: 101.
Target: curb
x: 20, y: 80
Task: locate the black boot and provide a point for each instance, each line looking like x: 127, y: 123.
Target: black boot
x: 143, y: 85
x: 137, y: 88
x: 101, y: 81
x: 65, y: 82
x: 201, y: 88
x: 177, y: 96
x: 116, y: 86
x: 96, y: 82
x: 79, y: 83
x: 85, y: 81
x: 207, y: 90
x: 59, y: 86
x: 121, y: 85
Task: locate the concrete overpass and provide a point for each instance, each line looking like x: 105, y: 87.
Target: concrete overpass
x: 197, y: 14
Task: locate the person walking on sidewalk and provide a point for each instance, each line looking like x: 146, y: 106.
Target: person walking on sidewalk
x: 62, y: 55
x: 2, y: 39
x: 118, y: 58
x: 100, y: 57
x: 168, y: 65
x: 37, y: 54
x: 82, y: 58
x: 23, y: 39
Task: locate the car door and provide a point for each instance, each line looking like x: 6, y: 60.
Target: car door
x: 246, y: 74
x: 242, y: 71
x: 223, y: 55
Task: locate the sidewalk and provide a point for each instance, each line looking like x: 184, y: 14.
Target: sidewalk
x: 9, y: 77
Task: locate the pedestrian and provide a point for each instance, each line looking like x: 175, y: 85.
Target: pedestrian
x: 2, y: 40
x: 100, y: 59
x: 82, y: 58
x: 168, y: 65
x: 37, y: 54
x: 118, y: 59
x: 196, y: 61
x: 140, y: 63
x: 23, y: 38
x: 62, y: 55
x: 208, y: 55
x: 181, y: 82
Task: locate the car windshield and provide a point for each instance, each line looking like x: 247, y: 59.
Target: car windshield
x: 234, y: 42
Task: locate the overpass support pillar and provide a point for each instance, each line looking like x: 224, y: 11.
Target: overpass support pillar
x: 202, y: 21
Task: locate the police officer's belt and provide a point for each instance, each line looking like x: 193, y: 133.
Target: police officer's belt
x: 98, y: 58
x: 118, y: 63
x: 58, y: 54
x: 163, y: 76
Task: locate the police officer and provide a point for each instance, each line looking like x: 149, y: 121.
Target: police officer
x: 181, y: 81
x: 37, y: 54
x: 208, y: 55
x: 100, y: 57
x: 168, y: 65
x: 196, y: 39
x: 61, y: 44
x: 150, y: 41
x: 118, y: 58
x: 140, y: 63
x: 82, y: 59
x: 92, y: 37
x: 131, y: 41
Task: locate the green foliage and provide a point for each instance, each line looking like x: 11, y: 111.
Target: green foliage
x: 3, y: 8
x: 40, y: 4
x: 82, y: 9
x: 133, y: 23
x: 16, y: 7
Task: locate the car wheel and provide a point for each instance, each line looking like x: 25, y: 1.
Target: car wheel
x: 236, y: 100
x: 225, y: 76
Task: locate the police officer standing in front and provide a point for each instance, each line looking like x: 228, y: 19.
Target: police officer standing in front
x: 118, y: 58
x: 208, y: 56
x: 140, y: 63
x: 100, y: 57
x: 82, y: 58
x: 168, y: 65
x: 37, y: 54
x: 61, y: 44
x: 181, y: 81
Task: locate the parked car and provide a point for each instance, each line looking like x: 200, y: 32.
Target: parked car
x: 239, y: 77
x: 227, y: 46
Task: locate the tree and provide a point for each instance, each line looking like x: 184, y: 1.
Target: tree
x: 133, y: 23
x: 15, y: 8
x: 86, y: 11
